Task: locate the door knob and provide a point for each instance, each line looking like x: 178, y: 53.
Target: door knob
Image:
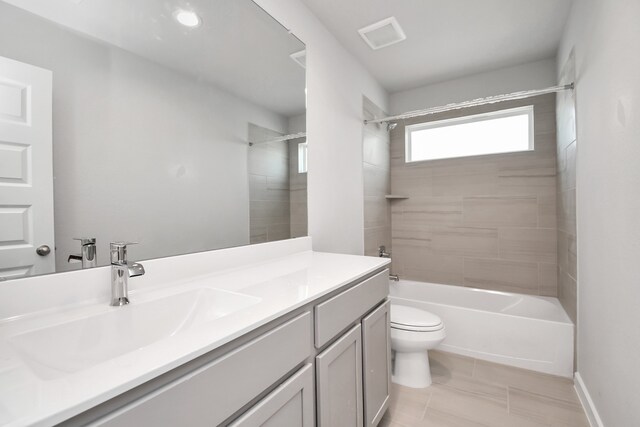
x: 43, y: 250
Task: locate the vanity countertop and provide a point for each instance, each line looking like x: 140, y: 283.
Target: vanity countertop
x: 32, y: 393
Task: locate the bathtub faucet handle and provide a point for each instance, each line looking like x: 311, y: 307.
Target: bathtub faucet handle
x: 382, y: 252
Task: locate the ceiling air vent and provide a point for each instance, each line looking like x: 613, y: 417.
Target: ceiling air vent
x: 383, y: 33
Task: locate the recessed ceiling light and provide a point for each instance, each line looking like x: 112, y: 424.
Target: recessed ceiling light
x: 188, y: 18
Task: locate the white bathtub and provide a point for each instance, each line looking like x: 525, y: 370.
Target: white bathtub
x: 526, y: 331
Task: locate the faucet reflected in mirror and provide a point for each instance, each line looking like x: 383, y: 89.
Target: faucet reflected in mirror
x: 121, y: 270
x: 88, y: 255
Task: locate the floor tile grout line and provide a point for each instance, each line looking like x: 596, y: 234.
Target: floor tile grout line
x: 426, y: 407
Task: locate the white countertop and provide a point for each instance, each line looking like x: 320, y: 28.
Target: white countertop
x: 282, y: 282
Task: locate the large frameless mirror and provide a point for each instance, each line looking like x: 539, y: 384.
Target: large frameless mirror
x: 166, y: 123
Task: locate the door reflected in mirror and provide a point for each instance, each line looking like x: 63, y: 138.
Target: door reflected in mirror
x: 146, y: 121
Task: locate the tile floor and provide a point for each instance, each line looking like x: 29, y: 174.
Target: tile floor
x: 467, y: 392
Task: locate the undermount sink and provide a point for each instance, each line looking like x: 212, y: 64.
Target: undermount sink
x: 70, y: 347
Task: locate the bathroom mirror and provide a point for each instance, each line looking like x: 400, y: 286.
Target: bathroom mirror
x: 158, y: 122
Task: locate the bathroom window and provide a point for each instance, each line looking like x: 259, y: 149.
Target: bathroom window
x: 302, y: 157
x: 504, y: 131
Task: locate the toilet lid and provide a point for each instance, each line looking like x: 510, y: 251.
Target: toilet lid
x: 415, y: 319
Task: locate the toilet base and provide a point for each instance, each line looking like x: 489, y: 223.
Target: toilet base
x: 412, y: 369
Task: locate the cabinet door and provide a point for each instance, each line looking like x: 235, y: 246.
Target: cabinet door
x: 376, y: 348
x: 339, y: 382
x: 290, y: 405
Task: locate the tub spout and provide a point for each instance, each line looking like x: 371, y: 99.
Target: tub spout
x: 394, y: 277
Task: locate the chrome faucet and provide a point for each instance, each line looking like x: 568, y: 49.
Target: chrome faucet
x: 121, y: 270
x: 382, y: 252
x: 88, y: 256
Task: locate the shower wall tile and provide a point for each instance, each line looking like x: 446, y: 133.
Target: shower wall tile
x: 566, y: 194
x: 297, y: 193
x: 465, y: 241
x: 548, y: 276
x: 419, y: 211
x: 376, y: 155
x: 484, y: 221
x: 529, y: 244
x: 269, y: 187
x: 501, y: 275
x: 547, y: 211
x: 494, y: 211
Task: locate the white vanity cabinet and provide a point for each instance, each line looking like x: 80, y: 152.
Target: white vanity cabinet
x: 325, y: 364
x: 339, y: 379
x: 290, y: 405
x: 353, y: 374
x: 376, y: 363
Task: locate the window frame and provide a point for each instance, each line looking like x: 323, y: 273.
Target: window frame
x: 303, y: 157
x: 475, y: 118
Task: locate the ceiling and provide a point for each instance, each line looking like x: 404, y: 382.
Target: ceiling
x: 238, y: 47
x: 446, y: 39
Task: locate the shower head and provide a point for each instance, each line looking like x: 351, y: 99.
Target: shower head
x: 391, y: 126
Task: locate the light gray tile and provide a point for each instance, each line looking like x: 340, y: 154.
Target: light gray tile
x: 298, y: 229
x: 528, y: 244
x: 568, y: 294
x: 465, y: 185
x: 430, y: 210
x: 547, y: 213
x: 376, y: 149
x: 375, y: 212
x: 445, y: 366
x: 465, y: 241
x: 526, y: 183
x: 376, y: 237
x: 544, y: 409
x: 534, y: 382
x: 501, y: 275
x: 548, y: 277
x: 376, y: 180
x: 506, y: 211
x: 278, y: 232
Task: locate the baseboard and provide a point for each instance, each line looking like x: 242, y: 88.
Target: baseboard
x: 587, y: 403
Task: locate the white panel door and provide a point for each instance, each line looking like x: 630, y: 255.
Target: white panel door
x: 26, y: 170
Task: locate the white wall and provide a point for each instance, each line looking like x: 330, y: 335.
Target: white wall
x: 141, y: 153
x: 335, y: 85
x: 606, y: 37
x: 533, y: 75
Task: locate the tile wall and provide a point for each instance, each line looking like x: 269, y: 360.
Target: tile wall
x: 486, y: 221
x: 566, y: 195
x: 376, y: 169
x: 269, y: 190
x: 297, y: 192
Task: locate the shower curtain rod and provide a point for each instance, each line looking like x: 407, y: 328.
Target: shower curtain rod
x: 281, y: 138
x: 473, y: 103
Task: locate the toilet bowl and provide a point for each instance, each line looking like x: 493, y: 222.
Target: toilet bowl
x: 413, y: 333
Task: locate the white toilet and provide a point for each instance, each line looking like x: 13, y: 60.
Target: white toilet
x: 413, y: 332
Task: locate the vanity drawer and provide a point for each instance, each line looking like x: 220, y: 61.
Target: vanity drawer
x: 337, y: 313
x: 212, y: 393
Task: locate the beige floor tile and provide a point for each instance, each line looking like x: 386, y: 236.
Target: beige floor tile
x: 408, y: 405
x: 448, y: 365
x: 471, y: 393
x: 466, y: 405
x: 534, y: 382
x: 474, y: 387
x: 434, y: 418
x: 544, y: 409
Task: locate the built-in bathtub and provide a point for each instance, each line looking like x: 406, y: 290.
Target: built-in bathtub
x: 526, y: 331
